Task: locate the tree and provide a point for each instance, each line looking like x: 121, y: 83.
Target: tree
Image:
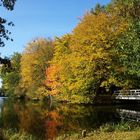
x: 128, y: 45
x: 11, y: 75
x: 35, y: 59
x: 85, y: 58
x: 126, y: 9
x: 4, y: 33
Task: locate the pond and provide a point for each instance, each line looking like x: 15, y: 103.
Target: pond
x: 45, y: 122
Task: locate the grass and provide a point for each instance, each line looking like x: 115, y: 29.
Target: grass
x: 120, y: 131
x: 119, y: 127
x: 127, y: 135
x: 132, y: 135
x: 13, y: 135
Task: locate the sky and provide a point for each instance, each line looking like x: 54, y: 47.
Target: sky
x: 43, y: 18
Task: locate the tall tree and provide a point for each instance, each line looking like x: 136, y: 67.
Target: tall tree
x: 85, y: 60
x: 35, y: 59
x: 128, y: 45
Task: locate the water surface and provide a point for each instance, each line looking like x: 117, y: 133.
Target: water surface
x: 44, y: 122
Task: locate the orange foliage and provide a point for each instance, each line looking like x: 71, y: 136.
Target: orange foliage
x: 52, y: 78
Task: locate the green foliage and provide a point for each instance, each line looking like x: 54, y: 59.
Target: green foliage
x: 121, y: 126
x: 11, y: 76
x: 127, y: 45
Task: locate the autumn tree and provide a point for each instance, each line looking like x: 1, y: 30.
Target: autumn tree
x: 94, y: 59
x: 86, y: 58
x: 96, y: 36
x: 35, y: 59
x: 59, y: 75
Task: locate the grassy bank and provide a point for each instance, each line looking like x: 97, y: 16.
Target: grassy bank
x: 133, y: 135
x: 128, y: 135
x: 120, y: 131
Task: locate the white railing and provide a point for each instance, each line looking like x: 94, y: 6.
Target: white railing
x: 129, y: 114
x: 127, y: 94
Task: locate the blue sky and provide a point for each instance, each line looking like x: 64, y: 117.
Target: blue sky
x: 43, y: 18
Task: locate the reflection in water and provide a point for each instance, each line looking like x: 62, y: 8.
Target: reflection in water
x: 1, y: 102
x: 53, y: 123
x: 47, y: 123
x: 129, y: 114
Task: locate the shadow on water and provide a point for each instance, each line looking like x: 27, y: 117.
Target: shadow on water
x: 44, y: 122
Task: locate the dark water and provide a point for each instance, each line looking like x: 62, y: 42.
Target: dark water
x: 43, y: 121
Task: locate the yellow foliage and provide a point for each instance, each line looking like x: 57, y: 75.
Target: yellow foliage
x: 35, y: 59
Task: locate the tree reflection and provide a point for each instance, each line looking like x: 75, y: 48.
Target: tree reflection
x: 48, y: 123
x: 53, y: 124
